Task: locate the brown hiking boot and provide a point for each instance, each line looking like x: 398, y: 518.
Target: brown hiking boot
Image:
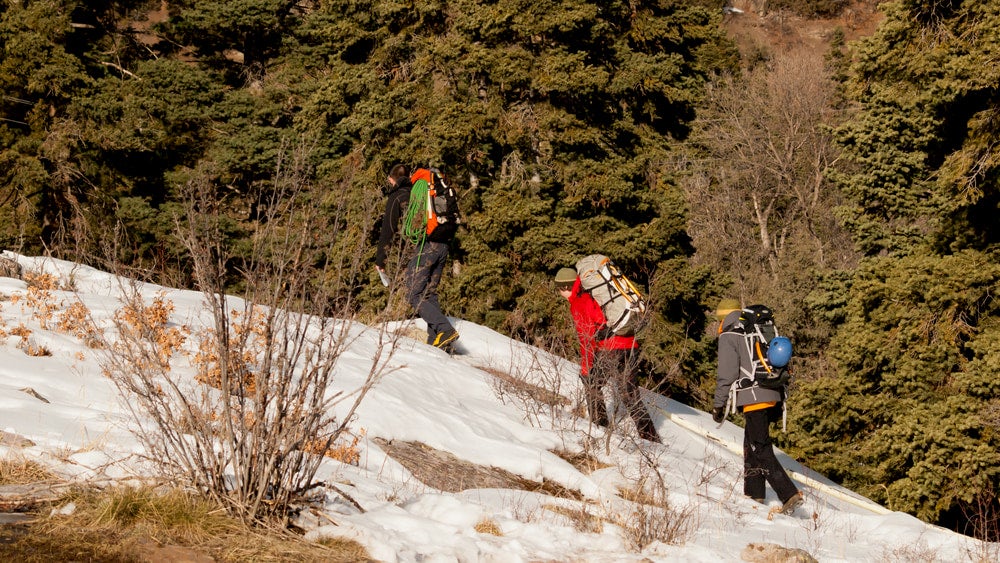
x: 792, y: 503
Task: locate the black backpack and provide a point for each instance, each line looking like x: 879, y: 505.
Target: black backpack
x: 757, y: 327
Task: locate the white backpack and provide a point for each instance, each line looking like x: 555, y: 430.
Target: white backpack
x: 619, y: 299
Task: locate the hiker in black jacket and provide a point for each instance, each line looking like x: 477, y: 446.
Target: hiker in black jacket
x: 425, y: 267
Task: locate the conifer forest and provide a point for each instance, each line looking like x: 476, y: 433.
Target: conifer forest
x: 848, y: 178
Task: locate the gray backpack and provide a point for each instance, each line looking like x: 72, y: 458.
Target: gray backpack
x: 619, y: 299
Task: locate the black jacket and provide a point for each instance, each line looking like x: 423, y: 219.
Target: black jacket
x: 395, y: 207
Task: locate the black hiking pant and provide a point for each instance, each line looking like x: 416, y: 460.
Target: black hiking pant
x: 759, y: 462
x: 423, y: 274
x: 619, y: 369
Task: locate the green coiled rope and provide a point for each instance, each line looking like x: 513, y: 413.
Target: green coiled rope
x: 415, y: 222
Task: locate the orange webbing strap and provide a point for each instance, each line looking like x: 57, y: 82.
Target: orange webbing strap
x: 760, y: 355
x: 759, y: 406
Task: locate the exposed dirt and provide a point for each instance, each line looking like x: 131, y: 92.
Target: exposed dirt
x: 757, y: 27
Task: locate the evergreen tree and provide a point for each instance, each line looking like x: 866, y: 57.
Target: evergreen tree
x: 908, y: 415
x: 39, y: 75
x: 556, y: 121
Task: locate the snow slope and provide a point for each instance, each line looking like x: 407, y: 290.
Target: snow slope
x: 454, y: 404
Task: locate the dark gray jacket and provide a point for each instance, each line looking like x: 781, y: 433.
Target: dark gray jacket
x: 734, y: 363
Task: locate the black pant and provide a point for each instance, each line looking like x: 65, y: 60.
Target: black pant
x: 620, y: 368
x: 759, y: 461
x: 422, y: 278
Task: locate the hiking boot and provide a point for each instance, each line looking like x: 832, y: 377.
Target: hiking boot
x: 444, y: 339
x: 791, y: 504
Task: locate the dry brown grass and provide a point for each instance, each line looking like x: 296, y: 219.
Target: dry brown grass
x: 511, y: 385
x: 582, y: 519
x: 140, y: 524
x: 582, y: 461
x: 487, y: 526
x: 443, y: 471
x: 638, y: 495
x: 18, y: 470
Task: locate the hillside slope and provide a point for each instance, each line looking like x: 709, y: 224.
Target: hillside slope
x: 474, y: 457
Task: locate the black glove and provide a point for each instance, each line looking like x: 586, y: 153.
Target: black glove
x: 719, y: 414
x: 603, y: 333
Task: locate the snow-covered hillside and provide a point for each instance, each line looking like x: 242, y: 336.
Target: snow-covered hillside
x: 470, y: 409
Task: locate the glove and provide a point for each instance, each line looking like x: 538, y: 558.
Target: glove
x: 719, y: 414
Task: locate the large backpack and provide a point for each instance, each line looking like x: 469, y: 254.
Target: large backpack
x: 619, y: 299
x: 432, y: 203
x: 757, y: 326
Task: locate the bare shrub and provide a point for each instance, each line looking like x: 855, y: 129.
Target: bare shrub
x: 982, y: 517
x: 583, y: 520
x: 918, y: 552
x: 657, y: 521
x: 253, y: 425
x: 762, y: 204
x: 650, y: 517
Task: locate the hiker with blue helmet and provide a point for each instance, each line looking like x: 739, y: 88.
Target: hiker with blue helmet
x: 760, y: 407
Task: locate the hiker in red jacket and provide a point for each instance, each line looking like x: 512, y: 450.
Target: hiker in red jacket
x: 603, y: 356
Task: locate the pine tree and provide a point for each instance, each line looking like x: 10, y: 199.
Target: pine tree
x: 909, y: 415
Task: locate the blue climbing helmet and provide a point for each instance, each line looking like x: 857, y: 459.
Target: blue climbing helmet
x: 779, y: 351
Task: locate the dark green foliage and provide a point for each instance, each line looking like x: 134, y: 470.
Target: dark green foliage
x: 906, y: 412
x: 555, y: 119
x: 38, y: 77
x: 923, y: 139
x: 903, y: 419
x: 551, y: 118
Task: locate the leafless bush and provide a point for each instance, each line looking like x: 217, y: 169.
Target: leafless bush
x: 536, y: 386
x: 983, y: 523
x: 652, y: 519
x: 252, y: 426
x: 918, y: 552
x: 762, y: 203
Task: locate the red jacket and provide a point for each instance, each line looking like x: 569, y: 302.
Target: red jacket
x: 587, y: 317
